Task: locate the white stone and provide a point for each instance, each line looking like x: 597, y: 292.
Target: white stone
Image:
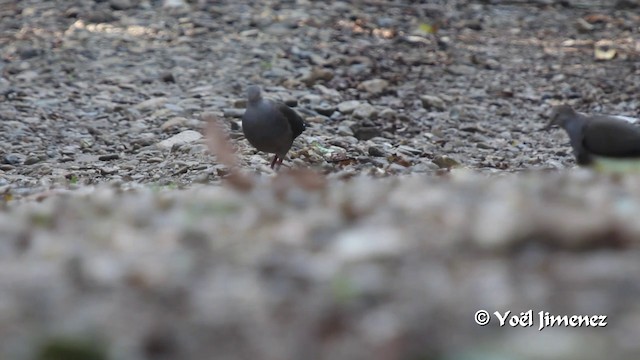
x: 185, y: 137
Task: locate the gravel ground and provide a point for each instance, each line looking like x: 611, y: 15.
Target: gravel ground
x: 433, y: 193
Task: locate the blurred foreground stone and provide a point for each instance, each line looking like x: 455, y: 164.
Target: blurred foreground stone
x: 362, y: 269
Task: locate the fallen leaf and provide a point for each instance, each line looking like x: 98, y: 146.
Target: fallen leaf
x: 603, y: 50
x: 219, y: 144
x: 428, y: 28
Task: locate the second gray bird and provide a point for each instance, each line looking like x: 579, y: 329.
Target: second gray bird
x: 596, y: 135
x: 270, y: 126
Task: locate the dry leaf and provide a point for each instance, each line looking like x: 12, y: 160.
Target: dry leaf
x: 219, y: 144
x: 428, y: 28
x: 604, y: 50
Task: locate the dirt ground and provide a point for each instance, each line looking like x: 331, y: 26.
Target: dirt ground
x: 439, y: 194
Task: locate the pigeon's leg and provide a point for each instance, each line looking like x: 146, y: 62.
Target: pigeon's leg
x: 280, y: 162
x: 273, y: 162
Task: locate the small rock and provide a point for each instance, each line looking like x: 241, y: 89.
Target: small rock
x: 584, y: 26
x: 376, y: 151
x: 173, y: 3
x: 99, y: 16
x: 328, y: 93
x: 13, y: 159
x: 315, y: 119
x: 379, y: 162
x: 240, y: 103
x: 445, y: 162
x: 234, y: 113
x: 151, y: 104
x: 185, y: 137
x: 72, y: 12
x: 120, y: 4
x: 28, y: 52
x: 30, y: 160
x: 108, y: 157
x: 344, y: 130
x: 173, y: 122
x: 69, y: 150
x: 312, y: 99
x: 202, y: 178
x: 473, y: 25
x: 197, y: 149
x: 408, y: 150
x: 365, y: 111
x: 395, y: 168
x: 109, y: 170
x: 423, y: 167
x: 461, y: 70
x: 144, y: 139
x: 347, y: 107
x: 168, y: 77
x: 365, y: 132
x: 317, y: 74
x: 374, y: 86
x: 324, y: 109
x: 86, y: 158
x: 430, y: 102
x: 388, y: 114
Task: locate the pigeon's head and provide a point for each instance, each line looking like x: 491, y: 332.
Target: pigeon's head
x: 254, y: 93
x: 560, y: 115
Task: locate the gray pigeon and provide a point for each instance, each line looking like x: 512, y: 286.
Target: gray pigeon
x: 596, y: 135
x: 270, y: 126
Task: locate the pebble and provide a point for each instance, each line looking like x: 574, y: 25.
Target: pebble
x: 444, y: 161
x: 365, y: 111
x: 120, y: 4
x: 233, y: 113
x: 388, y: 114
x: 408, y: 150
x: 13, y: 159
x: 431, y: 102
x: 344, y: 130
x: 374, y: 86
x: 109, y: 170
x: 365, y: 132
x: 461, y: 70
x: 151, y: 104
x: 324, y: 109
x: 173, y: 122
x: 174, y: 3
x: 108, y: 157
x: 347, y: 107
x: 375, y: 151
x: 423, y: 167
x: 30, y: 160
x: 317, y: 74
x: 185, y: 137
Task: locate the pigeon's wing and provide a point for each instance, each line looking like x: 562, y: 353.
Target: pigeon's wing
x: 295, y: 121
x: 614, y: 138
